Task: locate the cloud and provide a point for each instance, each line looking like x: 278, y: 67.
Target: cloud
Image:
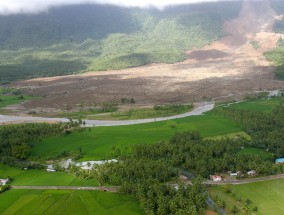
x: 34, y: 6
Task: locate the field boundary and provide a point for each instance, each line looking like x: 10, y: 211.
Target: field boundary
x: 116, y: 188
x: 113, y: 189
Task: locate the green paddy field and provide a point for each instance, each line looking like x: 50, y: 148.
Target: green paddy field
x: 268, y: 196
x: 35, y: 177
x: 34, y: 202
x: 98, y: 143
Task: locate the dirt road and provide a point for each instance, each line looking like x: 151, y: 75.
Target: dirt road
x: 116, y: 188
x: 102, y: 188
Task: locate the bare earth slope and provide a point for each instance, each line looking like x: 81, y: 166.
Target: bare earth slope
x: 228, y: 68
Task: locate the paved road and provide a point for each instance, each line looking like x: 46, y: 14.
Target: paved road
x: 199, y: 110
x: 245, y: 181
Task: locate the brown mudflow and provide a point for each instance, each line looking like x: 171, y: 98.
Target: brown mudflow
x: 229, y: 68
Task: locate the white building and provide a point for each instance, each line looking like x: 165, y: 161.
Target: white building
x: 4, y: 181
x: 50, y: 168
x: 251, y: 173
x: 215, y: 177
x: 86, y: 165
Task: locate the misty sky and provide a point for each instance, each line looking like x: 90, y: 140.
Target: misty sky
x: 32, y: 6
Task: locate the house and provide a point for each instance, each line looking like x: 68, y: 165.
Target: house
x: 279, y: 161
x: 66, y: 163
x: 183, y: 178
x: 4, y: 181
x: 235, y: 174
x: 215, y: 177
x: 251, y: 173
x: 88, y: 165
x: 50, y: 168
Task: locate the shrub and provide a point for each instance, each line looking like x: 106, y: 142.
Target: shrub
x: 4, y: 188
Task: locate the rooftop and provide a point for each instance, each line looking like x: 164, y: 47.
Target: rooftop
x: 279, y: 160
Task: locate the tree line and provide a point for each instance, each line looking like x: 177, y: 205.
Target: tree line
x: 266, y: 129
x: 16, y: 141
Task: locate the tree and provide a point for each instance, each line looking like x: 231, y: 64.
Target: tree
x: 21, y: 152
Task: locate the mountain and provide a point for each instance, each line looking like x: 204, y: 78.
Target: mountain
x: 73, y: 39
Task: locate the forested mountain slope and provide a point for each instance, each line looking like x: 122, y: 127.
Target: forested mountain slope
x: 72, y: 39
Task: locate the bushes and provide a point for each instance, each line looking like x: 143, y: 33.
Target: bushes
x: 277, y: 57
x: 126, y: 100
x: 4, y: 188
x: 16, y: 141
x: 173, y: 107
x: 279, y: 72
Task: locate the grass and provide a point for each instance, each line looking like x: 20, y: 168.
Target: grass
x: 260, y: 152
x: 231, y: 136
x: 99, y: 142
x: 67, y: 202
x: 6, y: 100
x: 266, y: 195
x: 42, y: 178
x: 276, y: 55
x: 263, y: 105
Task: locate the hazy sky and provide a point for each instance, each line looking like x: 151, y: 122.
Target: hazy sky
x: 31, y: 6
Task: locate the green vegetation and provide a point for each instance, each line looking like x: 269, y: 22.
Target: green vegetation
x: 187, y: 151
x: 16, y: 141
x: 154, y: 153
x: 255, y: 44
x: 259, y: 152
x: 263, y: 105
x: 149, y: 165
x: 234, y: 135
x: 103, y: 142
x: 266, y: 129
x: 4, y: 188
x: 51, y: 202
x: 37, y: 177
x: 133, y: 113
x: 264, y: 196
x: 104, y: 37
x: 143, y: 113
x: 142, y: 173
x: 277, y: 57
x: 105, y: 107
x: 11, y: 100
x: 279, y: 26
x: 11, y: 96
x: 232, y: 202
x: 278, y: 7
